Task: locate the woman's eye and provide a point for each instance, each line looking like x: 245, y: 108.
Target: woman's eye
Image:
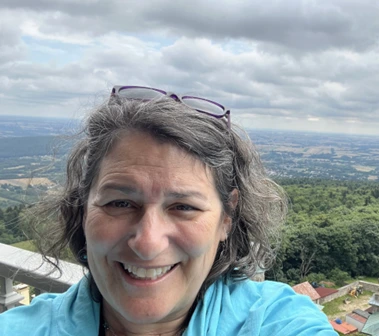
x: 184, y: 207
x: 119, y: 208
x: 119, y: 204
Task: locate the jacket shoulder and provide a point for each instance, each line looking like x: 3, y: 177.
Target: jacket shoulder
x: 34, y: 320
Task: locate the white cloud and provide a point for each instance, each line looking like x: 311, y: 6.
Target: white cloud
x: 284, y: 63
x: 31, y: 28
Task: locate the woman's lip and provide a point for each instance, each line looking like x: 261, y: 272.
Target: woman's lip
x: 147, y: 273
x: 145, y: 281
x: 146, y: 267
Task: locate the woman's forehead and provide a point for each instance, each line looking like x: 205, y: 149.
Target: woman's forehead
x: 138, y: 157
x: 139, y: 148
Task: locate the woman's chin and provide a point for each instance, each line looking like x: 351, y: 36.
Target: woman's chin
x: 146, y: 313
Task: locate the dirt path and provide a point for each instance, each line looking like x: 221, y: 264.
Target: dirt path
x: 356, y: 303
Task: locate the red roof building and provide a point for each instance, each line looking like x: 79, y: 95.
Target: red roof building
x: 356, y: 320
x: 324, y: 292
x: 306, y: 288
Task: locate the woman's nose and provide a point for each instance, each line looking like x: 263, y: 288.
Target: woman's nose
x: 150, y: 237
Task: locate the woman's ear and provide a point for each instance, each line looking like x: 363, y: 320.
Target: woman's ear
x: 227, y: 222
x: 233, y: 199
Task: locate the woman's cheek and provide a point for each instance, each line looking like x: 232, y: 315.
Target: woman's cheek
x: 199, y: 238
x: 101, y: 227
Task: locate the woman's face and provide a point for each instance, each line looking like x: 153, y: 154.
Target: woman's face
x: 153, y: 224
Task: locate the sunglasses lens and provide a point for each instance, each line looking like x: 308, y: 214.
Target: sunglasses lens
x: 204, y: 105
x: 139, y: 93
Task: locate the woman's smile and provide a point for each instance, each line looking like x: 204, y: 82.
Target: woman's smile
x: 146, y: 273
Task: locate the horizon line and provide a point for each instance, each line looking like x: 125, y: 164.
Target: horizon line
x: 246, y: 128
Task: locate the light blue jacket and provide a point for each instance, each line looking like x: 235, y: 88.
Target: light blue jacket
x: 243, y: 309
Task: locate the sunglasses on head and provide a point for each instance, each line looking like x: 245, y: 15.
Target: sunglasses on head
x: 201, y: 105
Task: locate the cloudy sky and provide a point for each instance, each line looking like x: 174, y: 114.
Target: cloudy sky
x: 285, y: 64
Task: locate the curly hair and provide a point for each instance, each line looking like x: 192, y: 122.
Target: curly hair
x: 229, y: 154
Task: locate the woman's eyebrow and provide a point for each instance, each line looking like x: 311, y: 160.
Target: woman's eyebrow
x: 123, y: 188
x: 185, y: 194
x: 169, y: 194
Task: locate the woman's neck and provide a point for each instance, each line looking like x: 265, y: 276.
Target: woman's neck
x: 119, y: 326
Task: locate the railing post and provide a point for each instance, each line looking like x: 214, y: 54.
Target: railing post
x: 8, y: 297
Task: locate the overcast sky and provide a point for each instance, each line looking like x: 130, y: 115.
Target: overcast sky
x: 286, y: 64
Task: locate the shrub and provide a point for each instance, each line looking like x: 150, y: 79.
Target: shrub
x: 338, y: 276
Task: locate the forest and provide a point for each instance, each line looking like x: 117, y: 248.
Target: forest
x: 332, y: 231
x: 12, y: 223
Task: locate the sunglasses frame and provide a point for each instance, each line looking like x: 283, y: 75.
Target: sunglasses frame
x: 118, y: 88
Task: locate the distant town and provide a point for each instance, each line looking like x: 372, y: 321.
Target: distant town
x: 318, y: 155
x: 36, y: 147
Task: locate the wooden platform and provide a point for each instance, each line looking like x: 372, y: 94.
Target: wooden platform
x: 343, y: 328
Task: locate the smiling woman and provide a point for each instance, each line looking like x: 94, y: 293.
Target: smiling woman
x: 163, y: 226
x: 168, y: 208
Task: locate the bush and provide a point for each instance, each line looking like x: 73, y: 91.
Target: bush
x: 315, y: 277
x: 338, y: 276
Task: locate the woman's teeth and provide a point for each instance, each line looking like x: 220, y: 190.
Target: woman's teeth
x: 147, y: 273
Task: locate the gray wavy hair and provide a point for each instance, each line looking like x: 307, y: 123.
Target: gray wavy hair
x: 229, y: 153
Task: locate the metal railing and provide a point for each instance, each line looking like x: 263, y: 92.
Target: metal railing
x: 28, y: 267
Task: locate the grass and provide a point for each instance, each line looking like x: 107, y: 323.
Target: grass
x: 30, y: 246
x: 26, y: 245
x: 332, y: 308
x: 368, y: 279
x: 351, y: 280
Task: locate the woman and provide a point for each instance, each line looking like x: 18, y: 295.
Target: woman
x: 169, y: 209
